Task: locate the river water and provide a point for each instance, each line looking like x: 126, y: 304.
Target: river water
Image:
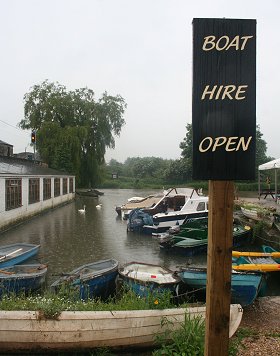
x: 69, y: 239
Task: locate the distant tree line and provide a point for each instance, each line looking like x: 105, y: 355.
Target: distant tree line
x: 177, y: 171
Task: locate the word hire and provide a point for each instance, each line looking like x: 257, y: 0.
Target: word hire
x: 223, y: 92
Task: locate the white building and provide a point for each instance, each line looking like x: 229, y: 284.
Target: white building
x: 27, y: 189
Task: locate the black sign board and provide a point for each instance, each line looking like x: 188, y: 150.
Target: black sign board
x: 224, y: 99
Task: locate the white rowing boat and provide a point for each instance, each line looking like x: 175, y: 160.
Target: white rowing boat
x: 27, y: 330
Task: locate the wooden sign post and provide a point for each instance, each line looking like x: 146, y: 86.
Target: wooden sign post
x: 224, y: 140
x: 220, y: 224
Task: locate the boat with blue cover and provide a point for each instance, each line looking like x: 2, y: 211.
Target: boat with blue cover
x: 16, y: 253
x: 176, y: 207
x: 22, y: 278
x: 245, y: 286
x: 93, y: 280
x: 145, y: 278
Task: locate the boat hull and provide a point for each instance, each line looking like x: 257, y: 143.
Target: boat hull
x: 165, y: 224
x: 27, y: 330
x: 254, y: 215
x: 89, y: 193
x: 186, y: 251
x: 244, y: 286
x: 146, y: 279
x: 99, y: 283
x: 143, y: 289
x: 29, y: 278
x: 181, y: 244
x: 17, y: 253
x: 101, y: 287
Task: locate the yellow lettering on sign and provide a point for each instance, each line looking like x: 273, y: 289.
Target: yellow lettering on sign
x: 231, y: 141
x: 208, y: 141
x: 224, y: 43
x: 222, y: 92
x: 219, y: 141
x: 229, y: 144
x: 243, y: 143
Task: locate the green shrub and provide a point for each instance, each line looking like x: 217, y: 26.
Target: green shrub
x: 188, y: 340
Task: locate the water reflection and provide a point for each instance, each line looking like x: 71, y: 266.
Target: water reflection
x: 69, y: 239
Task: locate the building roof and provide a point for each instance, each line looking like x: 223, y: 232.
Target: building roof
x: 17, y: 166
x: 5, y: 143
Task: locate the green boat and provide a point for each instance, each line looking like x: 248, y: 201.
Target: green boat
x: 193, y: 241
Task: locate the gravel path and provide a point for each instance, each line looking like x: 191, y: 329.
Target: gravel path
x: 263, y: 320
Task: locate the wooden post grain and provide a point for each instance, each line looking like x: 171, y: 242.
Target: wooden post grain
x: 219, y: 262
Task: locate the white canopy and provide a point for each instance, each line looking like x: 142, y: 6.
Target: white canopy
x: 270, y: 165
x: 275, y: 164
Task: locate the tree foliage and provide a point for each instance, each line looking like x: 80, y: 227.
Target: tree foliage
x: 261, y: 148
x: 146, y: 167
x: 73, y: 129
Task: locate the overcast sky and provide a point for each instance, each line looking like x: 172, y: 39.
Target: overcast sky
x: 140, y: 49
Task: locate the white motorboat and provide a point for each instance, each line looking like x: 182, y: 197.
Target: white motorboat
x: 193, y: 208
x: 169, y: 200
x: 138, y: 203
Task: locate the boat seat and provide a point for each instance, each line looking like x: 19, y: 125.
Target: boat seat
x: 262, y: 260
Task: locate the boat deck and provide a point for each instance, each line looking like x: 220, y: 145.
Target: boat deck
x: 146, y: 203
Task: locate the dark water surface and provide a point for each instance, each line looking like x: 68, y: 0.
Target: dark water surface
x: 69, y: 239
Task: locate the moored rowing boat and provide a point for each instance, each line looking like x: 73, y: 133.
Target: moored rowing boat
x: 27, y: 330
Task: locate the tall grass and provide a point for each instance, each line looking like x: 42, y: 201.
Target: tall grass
x: 188, y: 340
x: 51, y: 305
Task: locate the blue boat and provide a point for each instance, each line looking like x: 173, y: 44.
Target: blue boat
x: 145, y: 278
x: 22, y: 278
x: 16, y: 253
x: 245, y: 286
x: 93, y: 280
x: 271, y: 250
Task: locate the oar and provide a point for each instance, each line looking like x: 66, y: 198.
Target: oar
x: 257, y: 267
x: 256, y: 254
x: 6, y: 272
x: 10, y: 254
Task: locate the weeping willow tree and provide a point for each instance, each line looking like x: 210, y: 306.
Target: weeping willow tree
x: 73, y: 129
